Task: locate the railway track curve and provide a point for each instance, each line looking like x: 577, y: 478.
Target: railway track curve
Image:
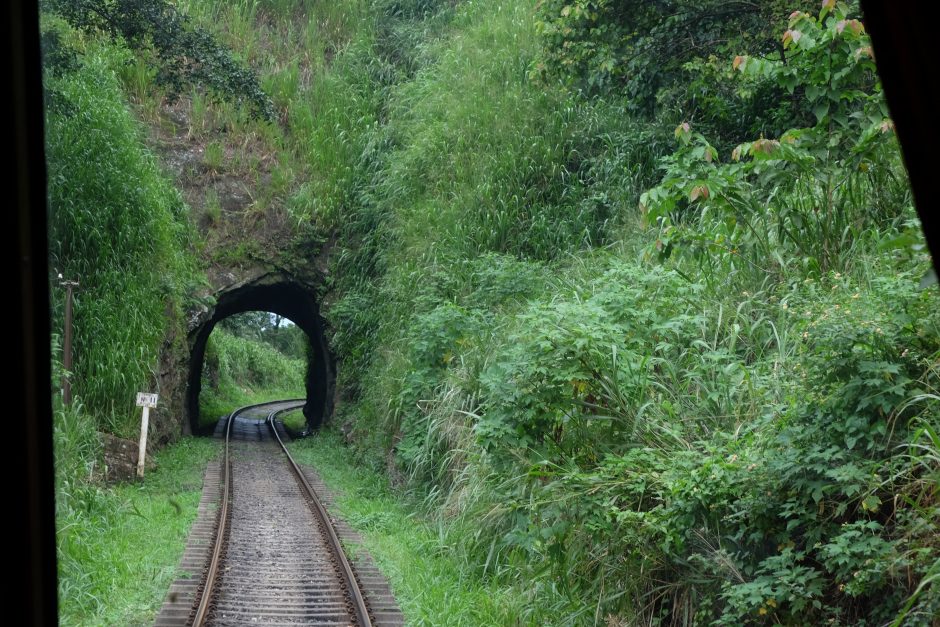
x: 269, y: 552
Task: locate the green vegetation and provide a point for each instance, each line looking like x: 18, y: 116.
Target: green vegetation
x: 271, y: 329
x: 702, y: 411
x: 631, y: 294
x: 430, y: 586
x: 240, y: 371
x: 118, y: 548
x: 120, y: 228
x: 643, y: 48
x: 183, y: 54
x: 295, y: 421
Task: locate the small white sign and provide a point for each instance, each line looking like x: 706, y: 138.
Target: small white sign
x: 146, y: 400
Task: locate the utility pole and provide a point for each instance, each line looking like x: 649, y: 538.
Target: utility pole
x: 67, y: 344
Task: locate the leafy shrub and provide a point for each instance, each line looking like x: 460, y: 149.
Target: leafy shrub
x: 183, y: 54
x: 805, y: 198
x: 783, y: 514
x: 640, y: 47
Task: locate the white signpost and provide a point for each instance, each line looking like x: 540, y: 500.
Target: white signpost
x: 146, y: 401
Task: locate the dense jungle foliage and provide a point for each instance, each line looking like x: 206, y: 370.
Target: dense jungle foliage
x: 633, y: 294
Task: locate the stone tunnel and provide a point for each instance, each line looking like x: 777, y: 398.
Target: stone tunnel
x: 280, y: 294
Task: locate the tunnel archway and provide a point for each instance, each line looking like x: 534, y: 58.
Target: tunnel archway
x: 282, y: 295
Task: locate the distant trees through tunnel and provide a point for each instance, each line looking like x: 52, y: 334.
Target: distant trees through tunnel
x: 270, y: 340
x: 253, y: 357
x: 274, y: 330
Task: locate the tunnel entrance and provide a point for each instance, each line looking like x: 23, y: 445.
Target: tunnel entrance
x: 281, y: 295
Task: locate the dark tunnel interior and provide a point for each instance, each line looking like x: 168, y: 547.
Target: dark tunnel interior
x: 285, y: 298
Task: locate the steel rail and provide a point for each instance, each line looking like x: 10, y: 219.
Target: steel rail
x: 352, y: 585
x: 202, y: 610
x: 357, y: 601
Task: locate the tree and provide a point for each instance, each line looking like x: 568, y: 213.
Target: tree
x: 639, y: 46
x: 272, y: 329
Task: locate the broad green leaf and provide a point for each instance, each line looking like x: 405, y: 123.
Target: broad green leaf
x: 821, y: 110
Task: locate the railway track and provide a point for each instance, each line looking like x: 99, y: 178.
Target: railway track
x: 270, y: 554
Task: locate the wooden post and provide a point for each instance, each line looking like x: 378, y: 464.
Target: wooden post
x: 146, y: 401
x: 142, y: 447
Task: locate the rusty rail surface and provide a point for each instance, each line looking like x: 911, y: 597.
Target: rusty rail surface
x: 210, y: 590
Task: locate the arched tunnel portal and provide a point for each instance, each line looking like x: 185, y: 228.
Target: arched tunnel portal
x: 281, y: 295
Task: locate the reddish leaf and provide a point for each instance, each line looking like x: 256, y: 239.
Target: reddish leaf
x: 699, y: 191
x: 766, y: 146
x: 854, y: 25
x: 796, y: 16
x: 791, y: 35
x: 738, y: 60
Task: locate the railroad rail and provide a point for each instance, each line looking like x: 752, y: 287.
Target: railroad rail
x: 276, y: 557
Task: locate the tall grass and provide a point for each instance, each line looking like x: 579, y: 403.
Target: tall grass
x: 310, y: 58
x: 488, y: 162
x: 119, y: 228
x: 118, y: 548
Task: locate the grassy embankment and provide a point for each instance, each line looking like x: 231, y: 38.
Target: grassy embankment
x: 119, y: 227
x: 241, y: 371
x: 119, y: 546
x: 704, y: 409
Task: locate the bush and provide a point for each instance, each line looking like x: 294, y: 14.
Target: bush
x: 805, y: 199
